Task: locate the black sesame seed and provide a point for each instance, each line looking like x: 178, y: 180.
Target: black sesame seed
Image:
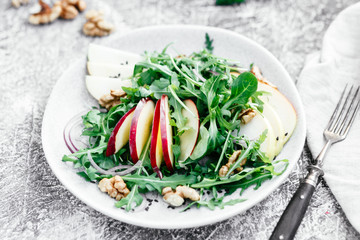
x: 277, y: 138
x: 286, y: 134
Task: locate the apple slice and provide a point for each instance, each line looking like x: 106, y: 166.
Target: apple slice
x: 277, y: 126
x: 166, y: 132
x: 120, y: 135
x: 101, y: 69
x: 282, y: 107
x: 99, y: 86
x: 97, y: 53
x: 140, y: 127
x: 156, y: 151
x: 189, y: 138
x: 255, y: 128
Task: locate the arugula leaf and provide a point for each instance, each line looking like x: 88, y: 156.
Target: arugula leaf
x: 99, y: 149
x: 177, y: 116
x: 163, y: 69
x: 243, y: 155
x: 257, y: 179
x: 218, y: 202
x: 133, y: 197
x: 208, y: 43
x: 210, y: 182
x: 228, y: 2
x: 92, y: 119
x: 156, y: 183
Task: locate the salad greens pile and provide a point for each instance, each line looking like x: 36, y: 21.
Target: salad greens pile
x: 219, y: 96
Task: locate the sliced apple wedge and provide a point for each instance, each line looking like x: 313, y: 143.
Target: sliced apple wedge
x: 120, y: 135
x: 99, y: 86
x: 255, y: 128
x: 140, y: 127
x: 189, y: 138
x: 156, y: 151
x: 277, y: 126
x: 97, y: 53
x: 282, y: 107
x: 166, y: 132
x: 110, y: 70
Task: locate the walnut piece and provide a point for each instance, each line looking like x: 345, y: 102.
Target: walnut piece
x: 110, y: 100
x: 177, y: 198
x: 46, y: 14
x: 96, y: 25
x: 225, y: 169
x: 70, y: 8
x: 115, y: 187
x: 18, y: 3
x: 246, y: 115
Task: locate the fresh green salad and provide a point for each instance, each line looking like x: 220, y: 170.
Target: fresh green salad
x: 178, y: 124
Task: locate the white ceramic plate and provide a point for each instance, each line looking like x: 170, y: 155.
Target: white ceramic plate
x: 69, y: 97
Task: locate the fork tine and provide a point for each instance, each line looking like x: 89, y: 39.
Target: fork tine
x: 348, y: 112
x: 336, y: 109
x: 352, y: 118
x: 335, y: 128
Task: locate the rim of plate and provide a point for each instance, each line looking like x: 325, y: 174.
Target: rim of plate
x: 218, y: 218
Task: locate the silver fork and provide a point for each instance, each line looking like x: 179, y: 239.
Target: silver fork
x: 337, y: 129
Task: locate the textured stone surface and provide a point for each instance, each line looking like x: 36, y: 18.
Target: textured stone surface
x: 33, y: 203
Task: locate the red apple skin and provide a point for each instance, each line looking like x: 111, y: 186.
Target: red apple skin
x: 110, y: 150
x: 132, y: 136
x: 164, y: 109
x: 154, y: 136
x: 197, y: 114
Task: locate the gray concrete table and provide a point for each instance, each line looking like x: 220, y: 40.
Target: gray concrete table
x: 33, y: 203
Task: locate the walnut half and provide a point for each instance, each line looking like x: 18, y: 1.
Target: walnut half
x: 177, y: 198
x: 246, y: 115
x: 225, y: 169
x: 115, y: 187
x: 110, y: 100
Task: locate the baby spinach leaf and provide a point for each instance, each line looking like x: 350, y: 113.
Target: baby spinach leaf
x: 242, y: 88
x: 201, y: 146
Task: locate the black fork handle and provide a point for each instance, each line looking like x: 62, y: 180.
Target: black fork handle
x: 295, y: 211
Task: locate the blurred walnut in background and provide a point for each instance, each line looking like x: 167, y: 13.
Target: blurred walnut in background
x: 66, y: 9
x: 18, y: 3
x: 46, y: 14
x: 96, y: 25
x: 71, y: 8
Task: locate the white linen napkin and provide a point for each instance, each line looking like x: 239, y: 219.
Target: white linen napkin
x: 320, y: 85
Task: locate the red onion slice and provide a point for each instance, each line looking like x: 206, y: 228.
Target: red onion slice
x: 67, y: 143
x: 67, y: 130
x: 108, y: 172
x: 69, y: 135
x: 199, y: 75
